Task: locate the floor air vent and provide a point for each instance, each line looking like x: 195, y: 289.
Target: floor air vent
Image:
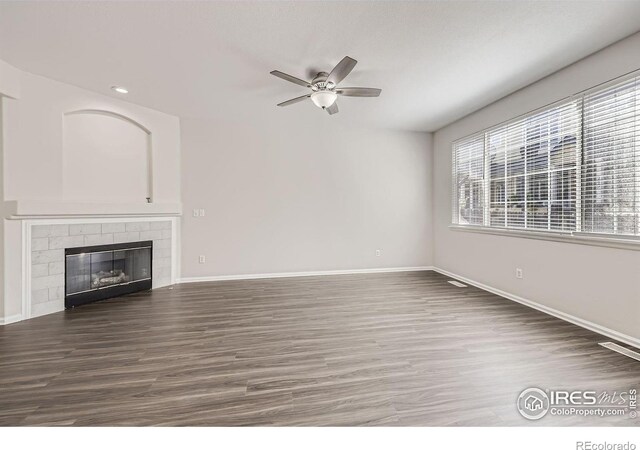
x: 620, y: 349
x: 456, y: 283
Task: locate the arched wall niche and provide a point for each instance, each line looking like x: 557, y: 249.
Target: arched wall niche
x: 107, y: 157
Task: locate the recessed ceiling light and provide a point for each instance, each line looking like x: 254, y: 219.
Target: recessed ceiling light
x: 120, y: 89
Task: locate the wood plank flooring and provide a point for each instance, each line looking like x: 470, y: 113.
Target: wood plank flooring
x: 379, y: 349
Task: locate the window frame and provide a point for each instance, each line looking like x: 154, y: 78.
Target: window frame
x: 575, y: 235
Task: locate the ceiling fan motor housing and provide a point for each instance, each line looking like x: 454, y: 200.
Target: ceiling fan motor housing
x: 319, y: 82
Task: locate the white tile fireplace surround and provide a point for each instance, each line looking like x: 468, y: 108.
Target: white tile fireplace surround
x: 45, y: 241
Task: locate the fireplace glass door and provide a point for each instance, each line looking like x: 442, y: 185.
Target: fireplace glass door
x: 91, y: 270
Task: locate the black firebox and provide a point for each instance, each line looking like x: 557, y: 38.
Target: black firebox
x: 104, y: 271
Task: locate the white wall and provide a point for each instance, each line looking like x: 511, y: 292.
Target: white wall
x: 2, y: 222
x: 105, y: 158
x: 600, y: 285
x: 34, y: 150
x: 286, y: 195
x: 9, y: 89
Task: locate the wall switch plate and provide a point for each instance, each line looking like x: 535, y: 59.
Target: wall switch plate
x: 378, y: 252
x: 519, y: 273
x: 196, y: 213
x: 202, y: 213
x: 202, y: 259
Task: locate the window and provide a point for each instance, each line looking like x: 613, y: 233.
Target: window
x: 469, y: 181
x: 572, y: 167
x: 611, y: 160
x: 531, y: 164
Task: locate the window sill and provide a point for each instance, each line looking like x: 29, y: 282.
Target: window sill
x: 599, y: 240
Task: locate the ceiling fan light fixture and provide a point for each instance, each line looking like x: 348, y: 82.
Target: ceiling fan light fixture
x: 324, y: 99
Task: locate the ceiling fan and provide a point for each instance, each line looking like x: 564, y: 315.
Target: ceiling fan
x: 324, y: 86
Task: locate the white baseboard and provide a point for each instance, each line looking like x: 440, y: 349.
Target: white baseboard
x: 10, y: 319
x: 635, y: 342
x: 258, y: 276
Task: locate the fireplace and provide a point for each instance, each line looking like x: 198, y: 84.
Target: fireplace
x: 104, y: 271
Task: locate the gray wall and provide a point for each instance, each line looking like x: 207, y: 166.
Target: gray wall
x: 601, y: 285
x: 286, y: 195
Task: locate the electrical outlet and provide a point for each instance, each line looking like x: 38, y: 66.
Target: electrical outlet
x: 519, y: 273
x: 378, y: 252
x: 202, y: 259
x: 196, y: 213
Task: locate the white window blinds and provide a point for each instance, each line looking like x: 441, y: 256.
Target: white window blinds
x: 572, y: 167
x: 532, y: 170
x: 611, y: 160
x: 468, y: 180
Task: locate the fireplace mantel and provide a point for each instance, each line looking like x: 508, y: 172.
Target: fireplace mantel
x: 26, y: 209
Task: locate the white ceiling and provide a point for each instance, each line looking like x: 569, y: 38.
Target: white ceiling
x: 435, y: 61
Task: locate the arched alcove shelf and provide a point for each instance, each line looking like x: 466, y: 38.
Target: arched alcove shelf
x: 107, y: 157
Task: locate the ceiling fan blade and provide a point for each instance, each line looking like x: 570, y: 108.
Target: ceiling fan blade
x: 294, y: 100
x: 358, y: 92
x: 343, y: 69
x: 290, y: 78
x: 333, y: 109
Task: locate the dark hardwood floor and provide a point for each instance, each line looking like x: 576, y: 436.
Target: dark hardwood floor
x: 380, y: 349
